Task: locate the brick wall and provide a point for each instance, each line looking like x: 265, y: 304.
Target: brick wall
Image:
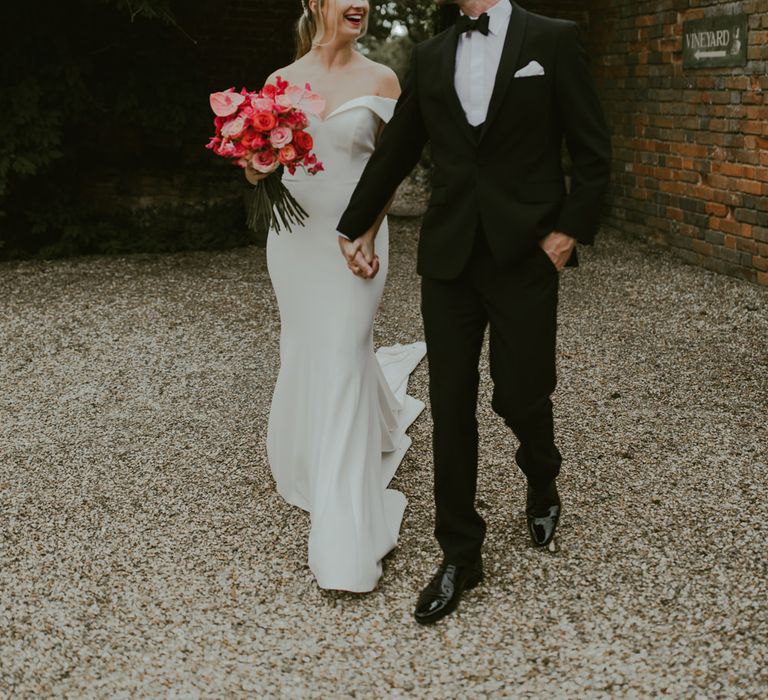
x: 691, y: 146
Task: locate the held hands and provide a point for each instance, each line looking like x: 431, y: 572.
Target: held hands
x: 558, y: 246
x: 360, y: 255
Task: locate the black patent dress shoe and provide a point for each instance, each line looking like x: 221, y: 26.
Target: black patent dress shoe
x: 543, y: 513
x: 443, y: 593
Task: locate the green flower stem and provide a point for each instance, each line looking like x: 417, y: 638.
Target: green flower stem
x: 272, y: 206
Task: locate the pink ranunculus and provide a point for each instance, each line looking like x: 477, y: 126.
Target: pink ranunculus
x: 280, y: 136
x: 265, y: 162
x: 287, y: 154
x: 225, y: 104
x: 232, y: 129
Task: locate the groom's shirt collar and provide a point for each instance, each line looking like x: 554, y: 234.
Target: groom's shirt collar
x: 499, y: 15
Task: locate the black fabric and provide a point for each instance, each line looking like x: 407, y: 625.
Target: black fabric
x: 518, y: 302
x: 482, y: 24
x: 497, y: 190
x: 512, y: 177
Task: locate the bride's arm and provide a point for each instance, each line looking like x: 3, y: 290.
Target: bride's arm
x: 402, y: 142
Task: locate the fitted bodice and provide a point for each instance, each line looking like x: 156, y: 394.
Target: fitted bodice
x: 346, y: 139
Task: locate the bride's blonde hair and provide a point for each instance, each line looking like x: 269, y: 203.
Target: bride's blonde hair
x: 311, y: 27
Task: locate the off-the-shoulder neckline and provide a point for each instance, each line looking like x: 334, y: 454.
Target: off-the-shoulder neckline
x: 352, y: 101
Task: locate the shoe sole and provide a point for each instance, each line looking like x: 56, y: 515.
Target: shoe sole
x: 468, y: 586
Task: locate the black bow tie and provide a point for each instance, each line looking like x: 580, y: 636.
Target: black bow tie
x: 482, y: 24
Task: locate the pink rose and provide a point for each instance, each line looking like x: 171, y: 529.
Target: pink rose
x: 265, y: 162
x: 287, y: 154
x: 232, y: 129
x: 280, y: 136
x: 224, y: 104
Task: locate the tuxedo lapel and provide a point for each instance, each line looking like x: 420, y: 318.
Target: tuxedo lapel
x: 509, y: 57
x: 448, y: 80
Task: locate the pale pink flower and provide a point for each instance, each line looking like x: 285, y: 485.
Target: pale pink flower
x: 280, y: 136
x: 303, y: 99
x: 226, y: 103
x: 232, y: 129
x: 262, y: 104
x: 265, y: 162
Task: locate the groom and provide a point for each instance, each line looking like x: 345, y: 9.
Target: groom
x: 496, y: 96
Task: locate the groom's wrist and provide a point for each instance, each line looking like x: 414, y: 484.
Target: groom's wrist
x: 344, y: 235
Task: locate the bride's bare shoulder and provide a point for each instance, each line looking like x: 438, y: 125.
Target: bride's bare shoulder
x: 387, y: 82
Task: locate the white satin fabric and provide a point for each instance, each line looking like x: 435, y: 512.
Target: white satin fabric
x: 339, y: 411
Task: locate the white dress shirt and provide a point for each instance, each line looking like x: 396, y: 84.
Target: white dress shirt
x: 477, y: 62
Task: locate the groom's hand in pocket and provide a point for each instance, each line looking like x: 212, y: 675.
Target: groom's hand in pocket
x: 558, y: 246
x: 360, y: 255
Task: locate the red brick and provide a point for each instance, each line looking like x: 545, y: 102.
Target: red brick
x: 715, y: 209
x: 702, y: 247
x: 750, y: 186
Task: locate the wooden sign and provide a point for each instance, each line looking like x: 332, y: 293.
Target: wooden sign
x: 715, y: 42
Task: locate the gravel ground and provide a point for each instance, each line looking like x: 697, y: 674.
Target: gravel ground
x: 144, y: 552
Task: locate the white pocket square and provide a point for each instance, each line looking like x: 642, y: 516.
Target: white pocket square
x: 532, y: 69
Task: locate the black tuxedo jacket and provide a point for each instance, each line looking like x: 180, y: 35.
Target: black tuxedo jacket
x: 508, y: 178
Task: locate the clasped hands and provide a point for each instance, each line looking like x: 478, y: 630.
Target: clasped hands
x: 360, y: 255
x: 362, y: 259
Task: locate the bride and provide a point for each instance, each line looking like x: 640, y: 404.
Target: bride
x: 339, y: 412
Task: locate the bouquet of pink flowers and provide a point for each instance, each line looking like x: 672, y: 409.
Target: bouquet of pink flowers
x: 266, y: 130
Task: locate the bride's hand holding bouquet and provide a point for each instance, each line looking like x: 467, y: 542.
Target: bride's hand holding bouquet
x: 264, y: 132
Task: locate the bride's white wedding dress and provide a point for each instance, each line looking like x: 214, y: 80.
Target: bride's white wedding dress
x: 339, y: 412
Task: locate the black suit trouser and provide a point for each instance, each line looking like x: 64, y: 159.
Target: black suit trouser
x: 519, y: 304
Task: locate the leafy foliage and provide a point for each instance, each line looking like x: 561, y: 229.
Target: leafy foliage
x: 92, y: 90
